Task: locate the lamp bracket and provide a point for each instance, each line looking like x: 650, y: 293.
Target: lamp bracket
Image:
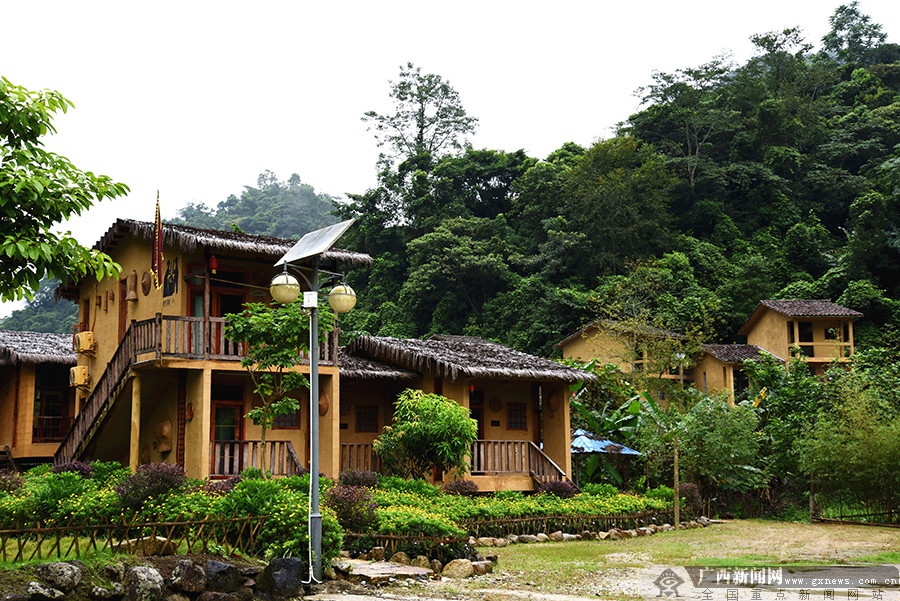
x: 328, y: 276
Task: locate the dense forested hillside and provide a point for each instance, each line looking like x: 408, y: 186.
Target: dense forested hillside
x: 778, y: 178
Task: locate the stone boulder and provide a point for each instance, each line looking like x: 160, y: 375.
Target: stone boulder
x: 484, y: 541
x: 615, y: 534
x: 602, y: 535
x: 188, y: 577
x: 281, y: 579
x: 482, y: 567
x: 436, y: 566
x: 400, y: 557
x: 377, y: 554
x: 512, y: 538
x: 541, y: 537
x: 420, y: 561
x: 529, y: 539
x: 458, y: 568
x: 223, y: 577
x: 143, y: 583
x: 59, y: 575
x: 113, y: 592
x: 38, y: 591
x: 556, y: 536
x: 500, y: 542
x: 114, y: 572
x: 569, y: 537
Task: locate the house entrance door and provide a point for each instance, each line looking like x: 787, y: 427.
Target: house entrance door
x: 227, y: 435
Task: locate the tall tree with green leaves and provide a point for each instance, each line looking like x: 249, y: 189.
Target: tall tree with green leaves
x: 277, y: 338
x: 39, y: 189
x: 428, y: 116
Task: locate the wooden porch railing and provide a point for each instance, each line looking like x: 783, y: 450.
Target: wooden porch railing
x: 360, y: 457
x: 49, y: 428
x: 513, y: 457
x: 230, y: 458
x: 488, y: 457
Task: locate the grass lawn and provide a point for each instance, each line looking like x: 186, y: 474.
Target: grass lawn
x: 591, y: 568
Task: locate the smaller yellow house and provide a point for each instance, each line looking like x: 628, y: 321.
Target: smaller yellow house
x: 720, y: 368
x: 820, y: 329
x: 519, y: 402
x: 36, y: 403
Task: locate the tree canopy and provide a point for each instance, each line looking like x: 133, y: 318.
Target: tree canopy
x: 38, y: 190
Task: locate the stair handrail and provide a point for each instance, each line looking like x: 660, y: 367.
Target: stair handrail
x: 119, y: 364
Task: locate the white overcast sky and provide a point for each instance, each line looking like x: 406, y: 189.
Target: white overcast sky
x: 195, y: 99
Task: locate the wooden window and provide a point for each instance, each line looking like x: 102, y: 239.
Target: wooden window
x: 516, y: 416
x: 367, y: 418
x: 287, y: 421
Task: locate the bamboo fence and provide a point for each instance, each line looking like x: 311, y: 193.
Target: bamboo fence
x: 40, y: 541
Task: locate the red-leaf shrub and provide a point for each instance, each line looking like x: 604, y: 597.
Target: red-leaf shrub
x: 353, y: 506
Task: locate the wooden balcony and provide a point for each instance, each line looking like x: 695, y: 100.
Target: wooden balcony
x: 202, y: 338
x: 232, y: 457
x: 50, y: 429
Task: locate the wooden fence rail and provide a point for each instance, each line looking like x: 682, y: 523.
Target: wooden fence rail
x: 193, y: 535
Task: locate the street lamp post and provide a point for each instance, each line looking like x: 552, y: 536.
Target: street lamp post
x: 286, y: 289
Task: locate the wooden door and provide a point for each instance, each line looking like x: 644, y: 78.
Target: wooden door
x: 226, y: 438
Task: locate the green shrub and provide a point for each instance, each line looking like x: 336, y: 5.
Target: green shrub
x: 508, y: 495
x: 413, y: 521
x: 108, y: 473
x: 286, y: 532
x: 661, y: 492
x: 416, y: 486
x: 251, y: 496
x: 600, y: 490
x: 52, y: 495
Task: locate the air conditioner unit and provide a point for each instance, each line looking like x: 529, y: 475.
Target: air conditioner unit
x: 79, y: 377
x: 84, y: 343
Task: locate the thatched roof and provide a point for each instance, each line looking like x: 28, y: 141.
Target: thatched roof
x: 355, y: 367
x: 189, y: 239
x: 618, y: 327
x: 818, y: 307
x: 35, y: 347
x: 736, y: 353
x: 463, y: 356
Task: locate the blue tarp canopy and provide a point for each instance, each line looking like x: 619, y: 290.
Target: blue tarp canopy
x: 586, y: 442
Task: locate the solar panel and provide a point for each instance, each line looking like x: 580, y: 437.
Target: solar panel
x: 315, y: 243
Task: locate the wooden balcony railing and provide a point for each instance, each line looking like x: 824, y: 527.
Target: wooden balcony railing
x: 50, y: 429
x: 827, y: 350
x: 189, y: 338
x: 513, y: 457
x: 231, y: 457
x: 360, y: 457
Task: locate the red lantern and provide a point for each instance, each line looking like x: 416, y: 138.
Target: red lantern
x: 213, y: 264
